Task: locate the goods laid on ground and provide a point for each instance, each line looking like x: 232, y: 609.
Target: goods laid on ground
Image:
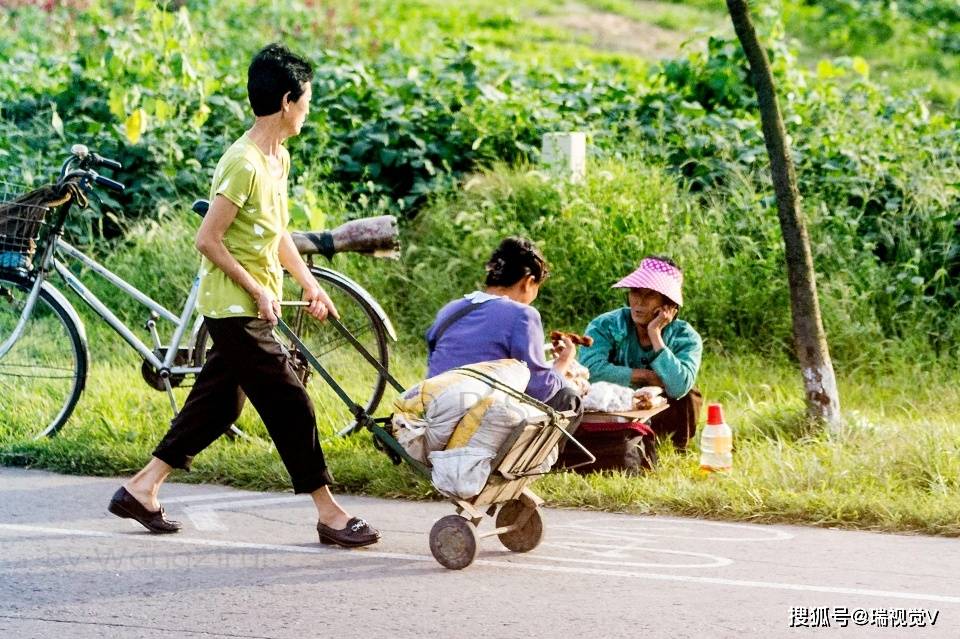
x: 606, y: 397
x: 615, y: 428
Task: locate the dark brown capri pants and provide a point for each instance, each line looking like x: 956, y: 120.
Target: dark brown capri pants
x: 246, y: 359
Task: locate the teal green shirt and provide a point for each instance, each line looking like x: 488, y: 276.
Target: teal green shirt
x: 616, y: 351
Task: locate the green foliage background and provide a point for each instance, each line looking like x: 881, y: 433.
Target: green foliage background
x: 435, y: 112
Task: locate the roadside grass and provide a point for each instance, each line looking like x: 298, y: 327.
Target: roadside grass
x: 894, y: 467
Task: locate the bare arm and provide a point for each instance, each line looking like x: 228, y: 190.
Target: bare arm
x: 209, y: 242
x: 320, y: 303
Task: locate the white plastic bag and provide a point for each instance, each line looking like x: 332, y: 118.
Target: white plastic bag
x: 606, y: 397
x: 463, y: 469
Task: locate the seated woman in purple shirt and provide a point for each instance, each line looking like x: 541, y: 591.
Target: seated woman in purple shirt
x: 499, y: 323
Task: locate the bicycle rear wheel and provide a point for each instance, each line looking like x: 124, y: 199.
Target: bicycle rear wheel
x: 43, y: 374
x: 363, y: 383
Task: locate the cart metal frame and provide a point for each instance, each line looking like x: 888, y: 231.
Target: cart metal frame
x: 454, y: 539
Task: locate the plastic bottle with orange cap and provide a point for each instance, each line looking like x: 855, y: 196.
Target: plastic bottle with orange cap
x: 716, y: 442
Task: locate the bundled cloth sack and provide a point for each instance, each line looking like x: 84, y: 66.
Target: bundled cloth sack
x: 425, y: 416
x: 456, y: 423
x: 463, y: 468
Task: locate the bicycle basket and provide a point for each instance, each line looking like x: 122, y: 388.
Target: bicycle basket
x: 22, y: 218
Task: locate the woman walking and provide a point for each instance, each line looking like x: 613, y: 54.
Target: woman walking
x: 245, y: 247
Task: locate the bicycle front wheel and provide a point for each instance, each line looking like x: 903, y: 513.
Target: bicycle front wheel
x: 43, y: 373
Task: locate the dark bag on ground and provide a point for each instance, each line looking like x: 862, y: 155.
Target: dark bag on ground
x: 625, y: 447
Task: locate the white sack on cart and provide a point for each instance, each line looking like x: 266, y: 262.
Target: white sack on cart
x: 425, y: 416
x: 463, y: 469
x: 461, y: 472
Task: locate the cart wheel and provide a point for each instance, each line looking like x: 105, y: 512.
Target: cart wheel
x: 528, y: 536
x: 454, y: 542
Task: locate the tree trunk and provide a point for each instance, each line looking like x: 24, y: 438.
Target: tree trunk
x: 823, y: 401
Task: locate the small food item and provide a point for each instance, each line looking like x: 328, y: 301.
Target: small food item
x: 579, y: 340
x: 647, y: 403
x: 648, y: 397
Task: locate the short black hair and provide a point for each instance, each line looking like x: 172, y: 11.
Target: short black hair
x: 514, y: 259
x: 273, y: 73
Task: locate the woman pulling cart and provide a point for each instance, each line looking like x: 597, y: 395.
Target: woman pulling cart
x: 245, y: 246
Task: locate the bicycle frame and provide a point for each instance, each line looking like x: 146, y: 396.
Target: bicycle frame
x: 163, y: 365
x: 96, y: 304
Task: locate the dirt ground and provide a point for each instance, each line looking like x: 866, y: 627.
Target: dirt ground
x: 613, y: 32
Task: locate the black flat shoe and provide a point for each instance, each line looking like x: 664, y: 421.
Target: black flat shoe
x: 126, y: 506
x: 355, y: 534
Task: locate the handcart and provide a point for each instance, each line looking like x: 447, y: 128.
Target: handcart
x: 454, y: 539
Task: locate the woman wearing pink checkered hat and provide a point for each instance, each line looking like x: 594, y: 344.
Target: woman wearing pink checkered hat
x: 643, y: 344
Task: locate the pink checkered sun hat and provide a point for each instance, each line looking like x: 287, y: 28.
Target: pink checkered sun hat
x: 656, y: 275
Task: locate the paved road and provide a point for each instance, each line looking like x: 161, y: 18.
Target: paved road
x: 247, y: 565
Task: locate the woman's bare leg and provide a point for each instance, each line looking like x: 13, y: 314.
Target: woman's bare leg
x: 145, y: 485
x: 329, y: 512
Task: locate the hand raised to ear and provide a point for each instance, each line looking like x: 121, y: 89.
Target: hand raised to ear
x: 665, y: 315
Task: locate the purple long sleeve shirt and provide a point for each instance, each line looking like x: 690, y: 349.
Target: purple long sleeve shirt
x: 499, y: 329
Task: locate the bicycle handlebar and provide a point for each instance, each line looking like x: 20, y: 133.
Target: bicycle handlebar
x: 107, y: 182
x: 81, y: 153
x: 85, y: 160
x: 107, y: 162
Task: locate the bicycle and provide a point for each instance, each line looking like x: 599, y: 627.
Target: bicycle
x: 44, y: 355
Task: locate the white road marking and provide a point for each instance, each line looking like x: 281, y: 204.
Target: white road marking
x: 621, y: 552
x: 715, y: 562
x: 517, y: 563
x: 204, y: 517
x: 673, y: 529
x: 205, y: 497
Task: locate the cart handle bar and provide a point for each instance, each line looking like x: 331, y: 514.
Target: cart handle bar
x: 357, y: 345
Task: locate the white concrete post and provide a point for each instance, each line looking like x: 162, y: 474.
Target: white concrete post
x: 565, y: 154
